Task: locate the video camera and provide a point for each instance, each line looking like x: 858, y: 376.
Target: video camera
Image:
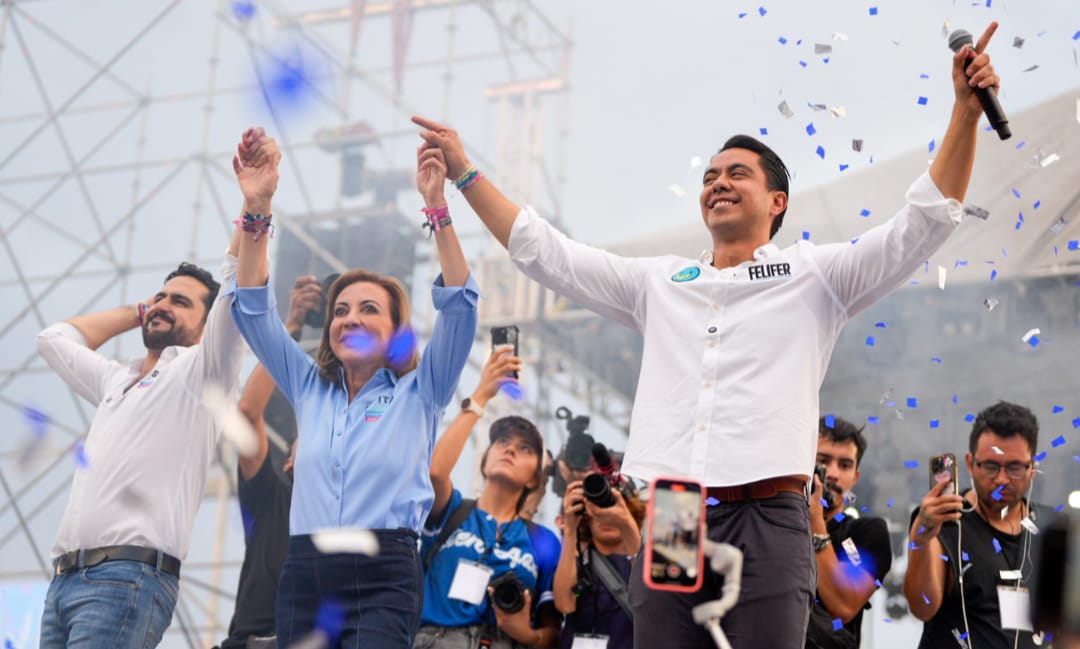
x: 577, y: 452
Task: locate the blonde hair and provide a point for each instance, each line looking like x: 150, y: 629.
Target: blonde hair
x: 400, y: 315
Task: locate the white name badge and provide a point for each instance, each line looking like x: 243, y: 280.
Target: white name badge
x: 1015, y: 607
x: 470, y: 582
x: 589, y: 641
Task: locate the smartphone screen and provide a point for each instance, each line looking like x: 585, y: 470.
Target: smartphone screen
x: 943, y: 467
x: 505, y: 336
x: 674, y: 556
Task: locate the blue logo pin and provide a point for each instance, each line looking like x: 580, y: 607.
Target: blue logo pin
x: 687, y: 274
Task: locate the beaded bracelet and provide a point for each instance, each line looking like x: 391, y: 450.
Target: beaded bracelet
x: 257, y: 224
x: 437, y: 218
x: 468, y: 179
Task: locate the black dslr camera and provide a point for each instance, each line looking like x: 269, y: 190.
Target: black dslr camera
x: 508, y: 593
x: 828, y: 495
x: 577, y: 452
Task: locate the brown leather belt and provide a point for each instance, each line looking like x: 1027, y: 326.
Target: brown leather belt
x: 78, y: 559
x: 767, y: 488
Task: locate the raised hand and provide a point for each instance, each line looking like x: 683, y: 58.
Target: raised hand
x: 306, y: 295
x: 445, y: 139
x: 431, y: 174
x: 972, y: 69
x: 496, y: 372
x: 934, y: 511
x: 256, y: 166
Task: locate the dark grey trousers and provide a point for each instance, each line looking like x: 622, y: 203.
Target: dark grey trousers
x: 778, y: 582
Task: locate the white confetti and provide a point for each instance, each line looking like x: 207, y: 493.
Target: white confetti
x: 317, y: 639
x: 1042, y: 160
x: 346, y: 540
x: 1029, y: 334
x: 822, y: 48
x: 997, y: 450
x: 1029, y: 525
x: 839, y: 36
x: 818, y: 107
x: 695, y: 162
x: 945, y: 30
x: 941, y: 270
x: 856, y: 145
x: 235, y: 426
x: 1058, y: 225
x: 786, y: 111
x: 976, y: 211
x: 1018, y: 42
x: 990, y: 303
x: 1078, y: 111
x: 677, y: 190
x: 1037, y: 639
x: 838, y: 111
x: 1004, y: 512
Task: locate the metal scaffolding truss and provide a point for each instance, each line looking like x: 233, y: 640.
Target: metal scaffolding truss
x: 117, y: 124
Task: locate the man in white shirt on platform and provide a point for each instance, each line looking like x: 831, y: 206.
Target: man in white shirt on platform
x: 128, y: 520
x: 736, y: 344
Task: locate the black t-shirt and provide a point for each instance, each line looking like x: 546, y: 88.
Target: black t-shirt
x: 598, y: 613
x: 859, y: 543
x: 264, y: 505
x: 980, y: 545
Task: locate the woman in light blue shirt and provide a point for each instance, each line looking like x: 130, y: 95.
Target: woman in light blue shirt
x: 366, y: 408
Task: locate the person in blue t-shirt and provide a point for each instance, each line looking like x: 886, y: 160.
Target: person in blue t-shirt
x: 489, y: 582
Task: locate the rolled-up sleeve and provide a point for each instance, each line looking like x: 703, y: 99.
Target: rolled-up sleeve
x: 85, y: 371
x: 882, y: 258
x: 254, y: 310
x: 451, y: 340
x: 221, y: 351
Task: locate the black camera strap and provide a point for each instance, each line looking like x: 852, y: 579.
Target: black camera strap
x: 456, y: 519
x: 611, y: 579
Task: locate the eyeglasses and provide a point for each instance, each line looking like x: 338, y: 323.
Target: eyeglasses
x: 1015, y: 470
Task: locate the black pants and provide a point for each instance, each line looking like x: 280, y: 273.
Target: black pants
x: 778, y: 582
x: 370, y: 601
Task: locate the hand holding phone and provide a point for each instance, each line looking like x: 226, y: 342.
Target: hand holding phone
x: 674, y: 548
x: 943, y: 467
x: 505, y: 336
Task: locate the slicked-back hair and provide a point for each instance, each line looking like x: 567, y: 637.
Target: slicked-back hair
x: 400, y: 315
x: 1005, y: 419
x: 777, y: 176
x: 201, y: 275
x: 844, y: 432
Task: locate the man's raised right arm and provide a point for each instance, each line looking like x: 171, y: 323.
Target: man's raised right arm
x: 69, y: 348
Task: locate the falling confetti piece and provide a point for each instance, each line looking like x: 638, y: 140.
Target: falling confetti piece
x: 712, y: 502
x: 1058, y: 441
x: 830, y: 421
x: 362, y: 342
x: 677, y: 190
x: 817, y: 107
x: 996, y: 494
x: 941, y: 270
x: 761, y: 10
x: 347, y: 540
x: 803, y: 63
x: 969, y: 418
x: 935, y: 423
x: 786, y: 111
x: 1016, y: 192
x: 512, y: 389
x: 763, y: 131
x: 837, y: 624
x: 880, y: 325
x: 1039, y: 457
x: 912, y: 402
x: 1018, y: 42
x: 1032, y: 68
x: 822, y: 48
x: 805, y: 235
x: 873, y: 420
x: 821, y: 152
x: 838, y: 111
x: 696, y: 161
x: 1030, y: 334
x: 234, y: 426
x: 1043, y: 160
x: 997, y: 547
x: 243, y: 10
x: 997, y: 450
x: 402, y: 348
x: 783, y: 41
x: 873, y: 12
x: 81, y: 460
x: 810, y: 130
x: 890, y: 503
x: 922, y: 101
x: 1057, y: 409
x: 911, y: 464
x: 931, y: 146
x: 993, y: 275
x: 869, y: 341
x: 839, y: 36
x: 856, y: 145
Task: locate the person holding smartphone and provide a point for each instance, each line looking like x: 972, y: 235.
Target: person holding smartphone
x: 488, y: 570
x: 970, y: 559
x: 736, y: 345
x: 853, y: 552
x: 367, y: 408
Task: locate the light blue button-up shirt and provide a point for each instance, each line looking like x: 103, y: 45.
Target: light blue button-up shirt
x: 363, y: 464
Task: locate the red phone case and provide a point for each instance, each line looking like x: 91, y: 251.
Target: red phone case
x: 647, y: 570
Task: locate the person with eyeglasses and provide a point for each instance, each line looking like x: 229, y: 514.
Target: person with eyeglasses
x: 970, y: 557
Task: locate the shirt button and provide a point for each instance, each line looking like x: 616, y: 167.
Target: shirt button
x: 338, y: 433
x: 712, y: 330
x: 337, y: 464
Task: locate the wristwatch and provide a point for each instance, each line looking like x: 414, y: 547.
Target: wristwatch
x: 468, y: 404
x: 821, y: 541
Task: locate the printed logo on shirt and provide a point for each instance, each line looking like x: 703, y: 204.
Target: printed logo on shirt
x: 375, y: 411
x: 148, y: 381
x: 515, y: 556
x: 769, y: 271
x: 687, y: 274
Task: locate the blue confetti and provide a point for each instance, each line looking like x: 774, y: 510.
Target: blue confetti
x: 944, y: 557
x: 810, y: 130
x: 935, y: 359
x: 711, y: 502
x: 249, y: 522
x: 912, y: 402
x: 988, y: 3
x: 330, y: 619
x: 872, y: 420
x: 806, y: 235
x: 1016, y: 192
x: 798, y: 42
x: 38, y: 420
x: 964, y: 556
x: 1076, y: 36
x: 1060, y: 508
x: 922, y: 101
x: 890, y: 503
x: 830, y: 421
x: 839, y: 517
x: 825, y: 60
x: 1057, y: 409
x: 761, y: 10
x: 997, y: 547
x: 1033, y: 341
x: 1076, y: 422
x: 821, y: 152
x: 1036, y: 205
x: 783, y: 41
x: 931, y: 146
x: 742, y: 15
x: 512, y: 389
x: 890, y: 404
x: 996, y: 494
x: 969, y: 418
x: 873, y: 12
x: 837, y: 624
x: 1058, y: 441
x: 924, y: 76
x: 935, y: 423
x: 869, y: 341
x: 911, y: 464
x: 843, y: 167
x: 81, y: 460
x: 993, y: 274
x: 802, y: 63
x: 363, y: 342
x: 763, y: 131
x: 1074, y: 245
x: 864, y: 213
x: 1021, y: 145
x: 243, y: 10
x: 926, y: 599
x: 1040, y: 457
x: 880, y: 325
x: 955, y: 399
x: 402, y: 347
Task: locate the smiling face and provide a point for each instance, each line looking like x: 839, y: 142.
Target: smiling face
x: 177, y: 316
x: 362, y: 324
x: 736, y: 203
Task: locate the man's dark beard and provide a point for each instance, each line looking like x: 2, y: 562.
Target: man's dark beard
x: 159, y: 339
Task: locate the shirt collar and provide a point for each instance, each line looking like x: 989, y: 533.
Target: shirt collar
x: 383, y: 374
x: 763, y: 252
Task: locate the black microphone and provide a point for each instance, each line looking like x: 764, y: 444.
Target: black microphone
x: 605, y: 464
x: 987, y: 96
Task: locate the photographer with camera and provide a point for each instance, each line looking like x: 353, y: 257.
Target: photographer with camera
x: 970, y: 559
x: 853, y: 554
x: 601, y: 533
x: 488, y: 571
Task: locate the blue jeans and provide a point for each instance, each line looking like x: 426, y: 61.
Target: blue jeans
x: 357, y: 600
x: 116, y: 604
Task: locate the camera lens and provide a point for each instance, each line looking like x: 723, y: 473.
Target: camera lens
x: 598, y: 490
x: 507, y: 593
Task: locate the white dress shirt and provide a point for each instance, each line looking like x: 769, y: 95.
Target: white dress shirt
x: 734, y: 358
x: 148, y: 450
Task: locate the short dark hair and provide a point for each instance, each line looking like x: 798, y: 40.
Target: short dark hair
x: 1005, y: 419
x: 777, y: 176
x: 203, y: 276
x: 843, y: 431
